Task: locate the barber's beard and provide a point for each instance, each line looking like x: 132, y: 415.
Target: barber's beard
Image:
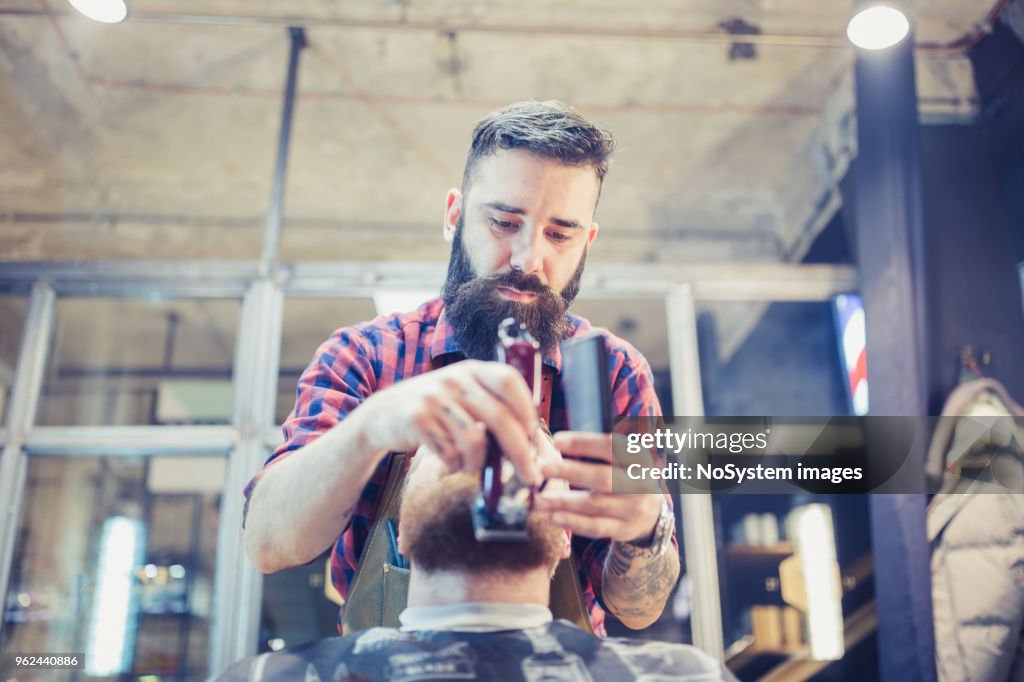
x: 436, y: 527
x: 474, y: 307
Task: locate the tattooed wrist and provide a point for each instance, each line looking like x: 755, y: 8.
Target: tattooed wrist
x: 637, y: 588
x: 660, y: 537
x: 628, y: 551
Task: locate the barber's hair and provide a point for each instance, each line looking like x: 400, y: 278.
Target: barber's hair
x: 550, y: 129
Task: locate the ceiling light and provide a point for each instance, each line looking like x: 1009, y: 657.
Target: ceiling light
x: 106, y: 11
x: 876, y: 27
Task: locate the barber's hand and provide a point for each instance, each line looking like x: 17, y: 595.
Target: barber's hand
x: 596, y: 511
x: 451, y: 409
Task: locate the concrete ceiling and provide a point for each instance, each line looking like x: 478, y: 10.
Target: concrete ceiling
x: 156, y: 138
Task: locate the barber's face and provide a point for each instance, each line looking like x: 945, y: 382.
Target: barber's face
x: 520, y: 237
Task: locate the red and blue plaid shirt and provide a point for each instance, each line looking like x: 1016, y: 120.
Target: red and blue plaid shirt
x: 359, y: 360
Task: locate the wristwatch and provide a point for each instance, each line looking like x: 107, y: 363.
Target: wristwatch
x: 661, y: 538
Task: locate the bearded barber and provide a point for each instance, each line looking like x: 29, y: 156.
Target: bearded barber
x: 520, y: 229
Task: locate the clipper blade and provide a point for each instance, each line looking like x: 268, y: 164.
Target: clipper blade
x: 507, y: 523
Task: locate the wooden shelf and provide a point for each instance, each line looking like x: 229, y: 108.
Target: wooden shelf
x: 779, y: 549
x: 796, y: 665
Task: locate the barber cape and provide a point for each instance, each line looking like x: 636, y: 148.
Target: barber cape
x: 481, y: 642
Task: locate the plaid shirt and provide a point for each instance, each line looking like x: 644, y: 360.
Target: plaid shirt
x: 359, y: 360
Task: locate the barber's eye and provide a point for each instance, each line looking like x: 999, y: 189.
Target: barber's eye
x: 559, y: 236
x: 503, y: 224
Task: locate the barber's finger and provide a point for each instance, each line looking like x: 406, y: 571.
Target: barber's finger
x: 587, y: 526
x: 585, y: 503
x: 468, y: 434
x: 581, y: 444
x: 507, y: 384
x: 612, y: 448
x: 515, y: 442
x: 599, y: 477
x: 425, y: 427
x: 591, y: 476
x: 525, y: 465
x: 443, y: 445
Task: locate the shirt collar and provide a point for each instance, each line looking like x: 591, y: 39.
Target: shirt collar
x: 444, y: 343
x: 474, y: 617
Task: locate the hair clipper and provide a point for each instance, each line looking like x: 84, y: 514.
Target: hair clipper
x: 504, y: 502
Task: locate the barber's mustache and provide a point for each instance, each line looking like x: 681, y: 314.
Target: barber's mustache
x: 520, y: 281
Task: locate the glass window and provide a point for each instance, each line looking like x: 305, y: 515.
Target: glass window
x: 126, y: 362
x: 299, y: 604
x: 12, y: 324
x: 115, y: 558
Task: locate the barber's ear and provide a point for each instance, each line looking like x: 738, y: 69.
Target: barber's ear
x: 452, y: 213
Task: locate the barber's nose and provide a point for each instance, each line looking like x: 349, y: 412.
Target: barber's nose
x: 526, y: 254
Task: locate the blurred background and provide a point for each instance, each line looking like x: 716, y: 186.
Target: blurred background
x: 179, y: 232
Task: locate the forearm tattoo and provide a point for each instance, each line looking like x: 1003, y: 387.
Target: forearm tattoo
x: 638, y: 580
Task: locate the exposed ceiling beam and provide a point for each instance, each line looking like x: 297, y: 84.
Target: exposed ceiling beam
x: 442, y: 26
x: 838, y: 41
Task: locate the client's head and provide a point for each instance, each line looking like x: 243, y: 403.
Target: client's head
x: 436, y: 527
